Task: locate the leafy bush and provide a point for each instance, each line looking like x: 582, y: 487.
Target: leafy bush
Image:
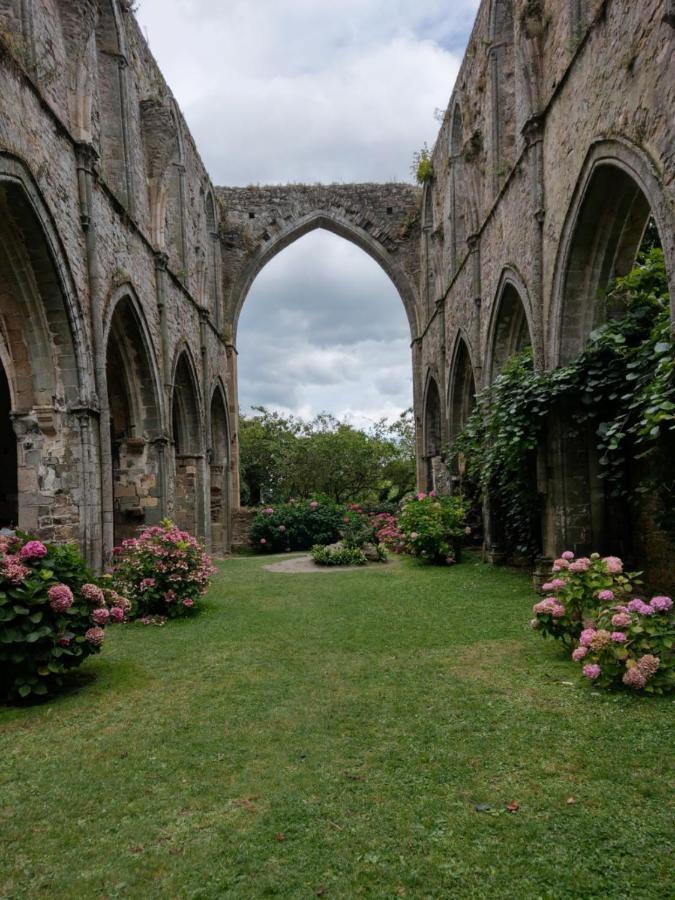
x: 297, y: 525
x: 338, y: 556
x: 621, y: 386
x: 433, y: 527
x: 630, y: 645
x: 578, y: 590
x: 164, y: 571
x: 52, y: 615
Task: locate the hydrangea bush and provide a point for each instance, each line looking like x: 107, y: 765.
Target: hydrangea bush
x: 630, y: 645
x: 387, y: 532
x: 434, y: 527
x: 164, y: 571
x: 577, y: 590
x: 52, y: 615
x: 297, y: 525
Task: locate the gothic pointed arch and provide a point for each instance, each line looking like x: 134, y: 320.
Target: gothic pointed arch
x: 335, y: 224
x: 211, y: 274
x: 135, y: 428
x: 187, y: 426
x: 616, y: 195
x: 461, y: 387
x: 219, y: 462
x: 510, y: 327
x: 432, y: 434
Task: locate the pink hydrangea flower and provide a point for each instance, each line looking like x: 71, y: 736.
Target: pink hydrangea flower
x: 13, y: 571
x: 33, y: 550
x: 170, y: 596
x: 614, y: 565
x: 640, y: 607
x: 188, y: 602
x: 560, y: 564
x: 661, y: 604
x: 92, y: 593
x: 95, y: 636
x: 618, y: 637
x: 413, y: 535
x: 100, y: 616
x: 567, y: 555
x: 268, y: 511
x: 648, y: 664
x: 116, y: 614
x: 592, y: 671
x: 313, y: 504
x: 580, y: 565
x: 421, y: 495
x: 148, y: 583
x: 600, y: 639
x: 64, y: 640
x: 282, y: 528
x: 634, y: 678
x: 606, y: 596
x: 586, y: 637
x: 263, y: 541
x: 621, y: 620
x: 579, y: 653
x: 60, y: 597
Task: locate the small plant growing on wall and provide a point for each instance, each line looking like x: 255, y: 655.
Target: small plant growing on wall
x: 422, y: 167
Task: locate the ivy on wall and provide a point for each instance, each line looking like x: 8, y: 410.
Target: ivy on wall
x: 622, y: 387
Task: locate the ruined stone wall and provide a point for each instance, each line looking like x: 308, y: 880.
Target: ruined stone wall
x: 91, y: 139
x: 556, y: 146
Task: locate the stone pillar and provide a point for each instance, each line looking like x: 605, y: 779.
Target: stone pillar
x: 233, y: 414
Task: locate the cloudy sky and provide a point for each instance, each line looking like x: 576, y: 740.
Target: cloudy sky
x: 279, y: 91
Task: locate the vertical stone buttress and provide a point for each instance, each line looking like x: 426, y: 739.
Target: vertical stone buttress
x: 86, y: 162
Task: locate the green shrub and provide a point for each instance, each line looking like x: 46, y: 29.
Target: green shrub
x: 434, y: 528
x: 164, y: 571
x: 52, y: 615
x: 297, y: 525
x: 338, y: 556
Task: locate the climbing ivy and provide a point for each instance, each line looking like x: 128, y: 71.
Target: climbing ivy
x: 622, y: 386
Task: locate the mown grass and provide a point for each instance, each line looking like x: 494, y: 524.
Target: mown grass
x: 332, y: 735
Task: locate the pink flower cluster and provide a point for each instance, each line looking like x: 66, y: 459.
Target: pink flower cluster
x: 95, y: 636
x: 60, y: 597
x: 12, y: 570
x: 549, y: 606
x: 93, y: 594
x: 33, y: 550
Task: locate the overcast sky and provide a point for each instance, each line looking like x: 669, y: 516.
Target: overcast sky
x: 279, y: 91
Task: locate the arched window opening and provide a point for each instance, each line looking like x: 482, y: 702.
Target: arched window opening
x: 219, y: 480
x: 610, y: 228
x: 502, y: 78
x: 433, y: 436
x: 212, y: 294
x: 187, y: 442
x: 109, y: 123
x: 134, y: 424
x: 462, y: 391
x: 9, y: 492
x: 511, y: 332
x: 612, y: 222
x: 458, y: 188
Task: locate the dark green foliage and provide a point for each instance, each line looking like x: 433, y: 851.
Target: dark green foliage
x: 297, y: 526
x: 622, y: 386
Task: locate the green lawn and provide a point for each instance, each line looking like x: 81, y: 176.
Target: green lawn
x: 331, y: 735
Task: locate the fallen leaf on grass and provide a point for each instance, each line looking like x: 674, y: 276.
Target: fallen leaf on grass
x: 570, y: 801
x: 513, y: 806
x: 280, y: 836
x: 321, y: 890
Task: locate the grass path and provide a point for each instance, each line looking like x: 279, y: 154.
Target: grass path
x: 331, y: 736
